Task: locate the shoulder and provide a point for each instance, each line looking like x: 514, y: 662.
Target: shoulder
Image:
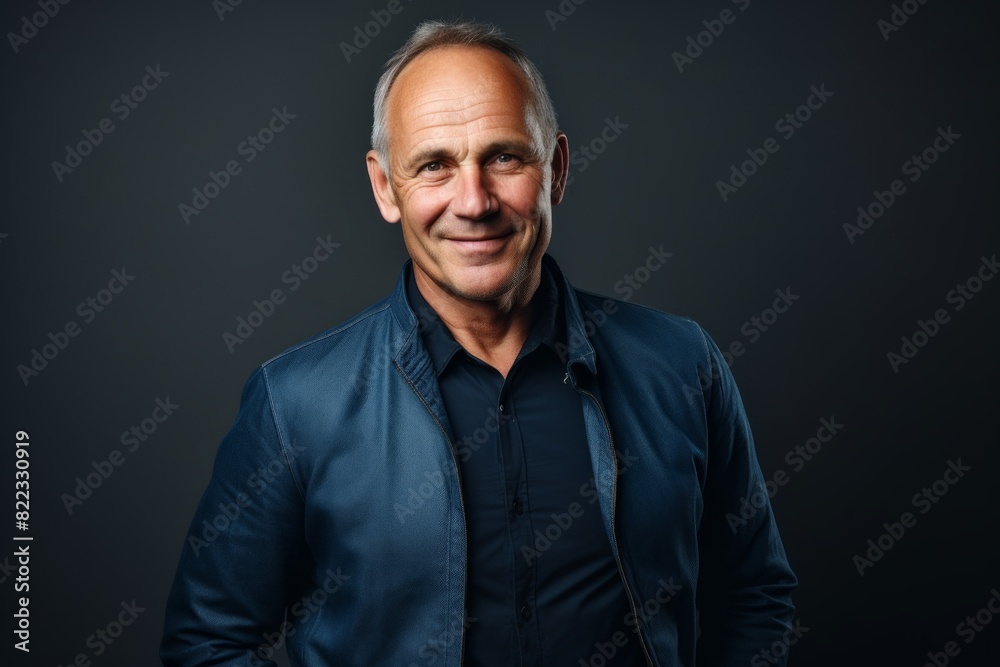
x: 358, y: 327
x: 338, y: 353
x: 623, y: 325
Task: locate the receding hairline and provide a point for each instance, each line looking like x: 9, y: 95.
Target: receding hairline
x: 510, y: 63
x: 520, y: 79
x: 432, y: 36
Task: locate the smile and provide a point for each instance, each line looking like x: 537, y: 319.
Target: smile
x: 481, y: 245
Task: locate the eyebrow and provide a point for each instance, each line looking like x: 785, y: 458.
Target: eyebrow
x: 425, y: 156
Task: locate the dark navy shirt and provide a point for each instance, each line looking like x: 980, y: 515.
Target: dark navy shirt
x: 543, y: 586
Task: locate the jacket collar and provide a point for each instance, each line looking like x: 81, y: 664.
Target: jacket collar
x: 411, y: 354
x: 546, y: 327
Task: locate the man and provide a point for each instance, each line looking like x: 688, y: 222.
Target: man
x: 488, y: 467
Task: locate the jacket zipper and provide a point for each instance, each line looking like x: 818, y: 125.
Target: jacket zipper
x: 614, y: 531
x: 461, y: 499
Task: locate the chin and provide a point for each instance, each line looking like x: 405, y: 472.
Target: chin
x: 480, y: 290
x: 482, y: 283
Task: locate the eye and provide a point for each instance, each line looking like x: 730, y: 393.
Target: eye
x: 431, y: 166
x: 507, y: 160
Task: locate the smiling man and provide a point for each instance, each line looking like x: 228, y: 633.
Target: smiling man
x: 472, y: 175
x: 489, y: 467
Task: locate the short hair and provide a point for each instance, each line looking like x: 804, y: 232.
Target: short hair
x: 433, y: 34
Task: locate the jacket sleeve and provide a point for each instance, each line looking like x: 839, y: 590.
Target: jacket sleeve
x: 230, y: 592
x: 745, y: 581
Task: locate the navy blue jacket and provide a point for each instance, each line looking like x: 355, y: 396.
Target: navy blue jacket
x: 334, y: 511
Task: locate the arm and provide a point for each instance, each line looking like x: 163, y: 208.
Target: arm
x: 236, y: 567
x: 745, y: 582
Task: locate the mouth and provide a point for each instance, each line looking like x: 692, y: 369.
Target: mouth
x: 481, y: 244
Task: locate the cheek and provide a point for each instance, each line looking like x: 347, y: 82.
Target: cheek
x: 523, y: 197
x: 422, y: 207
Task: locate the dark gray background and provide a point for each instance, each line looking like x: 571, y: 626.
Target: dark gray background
x: 162, y: 336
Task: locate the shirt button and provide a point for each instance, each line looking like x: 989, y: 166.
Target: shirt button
x: 526, y: 613
x: 518, y: 506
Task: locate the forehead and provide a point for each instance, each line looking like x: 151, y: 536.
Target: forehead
x: 457, y: 87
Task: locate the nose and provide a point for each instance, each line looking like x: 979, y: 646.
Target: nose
x: 472, y: 198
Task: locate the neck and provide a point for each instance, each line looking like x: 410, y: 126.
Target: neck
x: 492, y: 330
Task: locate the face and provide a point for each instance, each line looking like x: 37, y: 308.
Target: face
x: 468, y: 179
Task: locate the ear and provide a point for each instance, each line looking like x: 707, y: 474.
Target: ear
x: 382, y: 189
x: 560, y: 168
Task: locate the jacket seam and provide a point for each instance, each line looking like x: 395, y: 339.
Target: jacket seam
x: 281, y: 440
x: 704, y: 343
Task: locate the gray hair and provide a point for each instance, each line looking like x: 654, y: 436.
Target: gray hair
x: 432, y: 34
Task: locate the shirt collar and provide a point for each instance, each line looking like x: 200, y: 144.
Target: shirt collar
x: 547, y: 327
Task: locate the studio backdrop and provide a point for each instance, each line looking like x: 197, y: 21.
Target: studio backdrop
x: 185, y: 196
